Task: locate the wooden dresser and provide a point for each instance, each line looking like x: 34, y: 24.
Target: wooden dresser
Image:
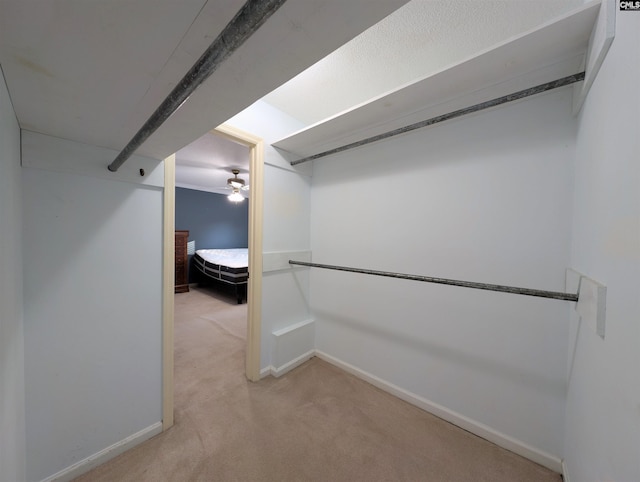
x: 182, y: 269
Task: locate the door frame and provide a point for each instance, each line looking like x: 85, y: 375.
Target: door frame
x: 254, y: 288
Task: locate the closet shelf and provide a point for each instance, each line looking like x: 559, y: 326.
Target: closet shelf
x: 554, y: 50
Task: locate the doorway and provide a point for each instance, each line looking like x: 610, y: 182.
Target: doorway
x: 254, y: 288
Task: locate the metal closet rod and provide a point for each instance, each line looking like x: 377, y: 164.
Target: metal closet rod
x: 556, y: 295
x: 571, y: 79
x: 248, y: 19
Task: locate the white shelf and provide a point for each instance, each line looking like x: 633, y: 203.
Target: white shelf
x: 552, y: 51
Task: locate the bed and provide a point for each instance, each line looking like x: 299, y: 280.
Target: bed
x: 230, y: 266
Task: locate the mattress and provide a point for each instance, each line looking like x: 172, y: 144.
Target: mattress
x: 228, y: 265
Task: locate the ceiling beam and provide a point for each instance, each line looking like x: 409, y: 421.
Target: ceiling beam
x: 248, y: 19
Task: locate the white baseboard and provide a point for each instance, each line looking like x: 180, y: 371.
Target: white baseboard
x: 101, y: 457
x: 287, y: 367
x: 477, y: 428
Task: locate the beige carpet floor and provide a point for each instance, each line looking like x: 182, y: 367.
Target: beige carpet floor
x: 316, y: 423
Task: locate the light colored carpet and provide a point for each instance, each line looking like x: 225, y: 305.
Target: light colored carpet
x: 316, y: 423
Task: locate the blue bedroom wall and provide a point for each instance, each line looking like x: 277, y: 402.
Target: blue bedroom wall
x: 212, y: 220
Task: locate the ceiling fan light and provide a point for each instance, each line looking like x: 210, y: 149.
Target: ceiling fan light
x: 235, y: 196
x: 235, y: 182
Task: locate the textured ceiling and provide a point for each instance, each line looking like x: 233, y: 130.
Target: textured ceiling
x: 417, y: 40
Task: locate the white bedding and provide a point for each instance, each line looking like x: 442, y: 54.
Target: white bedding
x: 233, y: 258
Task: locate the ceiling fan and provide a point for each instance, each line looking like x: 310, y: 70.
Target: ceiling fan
x: 236, y: 184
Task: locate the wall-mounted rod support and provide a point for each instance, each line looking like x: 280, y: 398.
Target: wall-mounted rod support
x: 571, y: 79
x: 248, y: 19
x: 556, y: 295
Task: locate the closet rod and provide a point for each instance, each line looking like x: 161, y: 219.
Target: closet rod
x: 571, y: 79
x: 248, y: 19
x: 556, y: 295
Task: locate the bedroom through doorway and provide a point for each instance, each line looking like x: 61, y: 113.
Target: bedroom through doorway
x: 217, y: 232
x: 212, y: 217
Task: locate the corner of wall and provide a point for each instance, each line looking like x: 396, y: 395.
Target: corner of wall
x: 601, y: 412
x: 12, y: 390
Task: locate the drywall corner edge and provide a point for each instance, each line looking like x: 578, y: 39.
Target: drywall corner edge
x: 602, y: 36
x: 565, y: 472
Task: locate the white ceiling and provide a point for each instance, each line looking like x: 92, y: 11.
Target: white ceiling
x: 94, y: 71
x: 87, y: 71
x: 206, y: 164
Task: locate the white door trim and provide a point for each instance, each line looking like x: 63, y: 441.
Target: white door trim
x: 168, y: 282
x: 254, y: 291
x: 256, y: 198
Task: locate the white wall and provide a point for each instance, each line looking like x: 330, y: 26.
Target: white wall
x: 286, y: 224
x: 603, y: 418
x: 92, y: 296
x: 486, y: 198
x: 12, y: 417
